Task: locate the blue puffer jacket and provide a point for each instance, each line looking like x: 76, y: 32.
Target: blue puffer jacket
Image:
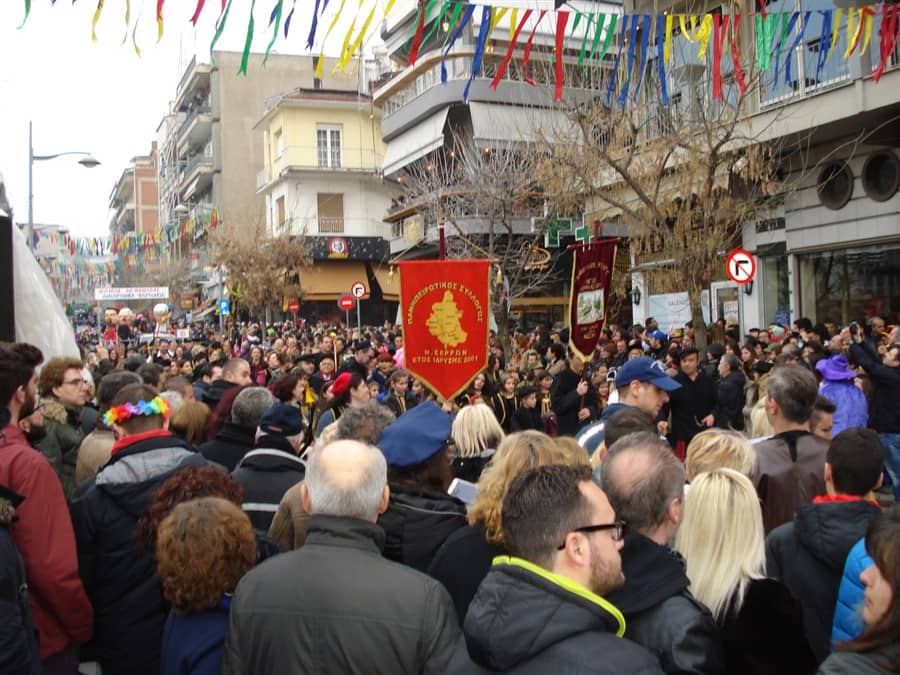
x: 852, y: 409
x: 847, y: 620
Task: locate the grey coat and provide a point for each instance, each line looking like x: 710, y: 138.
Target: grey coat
x: 337, y: 606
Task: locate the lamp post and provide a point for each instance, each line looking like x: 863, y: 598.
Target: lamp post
x: 7, y: 307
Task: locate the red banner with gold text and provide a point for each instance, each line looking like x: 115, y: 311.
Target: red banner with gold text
x: 592, y: 268
x: 446, y: 309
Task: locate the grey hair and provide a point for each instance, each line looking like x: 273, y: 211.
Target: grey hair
x: 732, y: 361
x: 642, y: 499
x: 250, y: 405
x: 364, y: 423
x: 358, y: 497
x: 794, y: 388
x: 173, y: 398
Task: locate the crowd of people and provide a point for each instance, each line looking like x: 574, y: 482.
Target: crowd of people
x: 288, y: 498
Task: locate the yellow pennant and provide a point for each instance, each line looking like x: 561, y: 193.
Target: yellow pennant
x: 346, y: 45
x: 359, y: 38
x: 497, y: 16
x: 835, y: 31
x: 96, y: 18
x: 852, y: 34
x: 667, y: 45
x: 703, y: 35
x: 321, y: 63
x: 389, y: 7
x: 868, y: 32
x: 513, y: 22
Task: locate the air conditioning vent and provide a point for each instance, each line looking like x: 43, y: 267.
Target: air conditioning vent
x: 835, y: 185
x: 881, y: 175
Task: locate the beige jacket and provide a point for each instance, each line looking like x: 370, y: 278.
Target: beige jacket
x: 288, y: 528
x: 93, y: 454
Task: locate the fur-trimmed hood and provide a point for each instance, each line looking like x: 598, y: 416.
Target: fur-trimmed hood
x: 9, y: 500
x: 56, y: 411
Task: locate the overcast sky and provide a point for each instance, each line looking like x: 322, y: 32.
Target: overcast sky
x: 100, y: 97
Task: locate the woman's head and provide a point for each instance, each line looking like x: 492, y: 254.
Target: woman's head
x: 508, y: 384
x: 881, y: 611
x: 475, y: 429
x: 517, y: 452
x: 205, y: 546
x: 718, y: 449
x: 285, y: 388
x: 721, y: 537
x: 189, y: 420
x: 255, y: 354
x: 273, y: 360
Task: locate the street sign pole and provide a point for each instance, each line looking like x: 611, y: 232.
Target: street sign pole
x: 347, y: 318
x: 359, y: 319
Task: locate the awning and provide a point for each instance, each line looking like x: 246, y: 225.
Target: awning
x: 390, y: 284
x: 494, y: 123
x: 330, y: 280
x: 547, y: 300
x: 206, y: 312
x: 409, y: 146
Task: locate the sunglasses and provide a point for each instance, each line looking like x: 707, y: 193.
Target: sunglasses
x: 618, y: 530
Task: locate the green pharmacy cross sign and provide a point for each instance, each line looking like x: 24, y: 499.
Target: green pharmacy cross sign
x: 553, y: 227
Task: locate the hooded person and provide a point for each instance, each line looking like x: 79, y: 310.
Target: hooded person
x: 838, y: 387
x: 119, y: 576
x: 420, y: 515
x: 273, y: 466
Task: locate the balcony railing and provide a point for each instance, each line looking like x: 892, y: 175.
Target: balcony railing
x: 306, y: 158
x: 331, y: 224
x: 204, y: 109
x: 201, y: 159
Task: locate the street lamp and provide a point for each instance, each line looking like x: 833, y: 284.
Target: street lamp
x: 87, y: 160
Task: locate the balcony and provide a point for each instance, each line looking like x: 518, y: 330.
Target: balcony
x: 196, y: 174
x: 196, y: 128
x: 307, y: 159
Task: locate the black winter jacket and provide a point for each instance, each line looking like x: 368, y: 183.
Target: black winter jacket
x: 695, y: 400
x: 660, y: 612
x: 729, y: 410
x: 265, y: 474
x: 884, y: 413
x: 229, y: 446
x: 417, y: 522
x: 566, y: 402
x: 528, y: 621
x: 337, y: 606
x: 119, y: 577
x: 462, y: 563
x: 214, y: 394
x: 808, y: 556
x: 765, y: 636
x: 19, y: 654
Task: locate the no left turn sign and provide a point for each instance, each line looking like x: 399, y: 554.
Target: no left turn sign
x: 358, y: 289
x: 740, y: 266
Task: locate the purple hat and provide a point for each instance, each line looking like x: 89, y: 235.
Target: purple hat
x: 835, y: 368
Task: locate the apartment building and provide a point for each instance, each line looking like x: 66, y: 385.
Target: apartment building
x: 831, y: 249
x: 134, y: 199
x: 321, y: 179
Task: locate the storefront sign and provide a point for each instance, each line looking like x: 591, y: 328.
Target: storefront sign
x: 138, y: 293
x: 338, y: 248
x: 446, y: 311
x: 591, y: 278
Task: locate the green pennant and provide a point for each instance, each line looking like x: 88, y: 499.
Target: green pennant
x: 245, y: 57
x: 587, y: 32
x: 271, y: 44
x: 219, y: 30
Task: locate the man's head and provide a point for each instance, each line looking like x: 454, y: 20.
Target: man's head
x: 853, y: 463
x: 790, y: 396
x: 181, y: 385
x: 250, y: 405
x: 62, y: 379
x: 111, y: 384
x: 892, y: 356
x: 18, y: 382
x: 556, y: 517
x: 150, y: 374
x: 361, y: 349
x: 729, y: 363
x: 821, y: 422
x: 689, y: 361
x: 346, y: 479
x: 31, y: 421
x: 645, y: 484
x: 364, y: 423
x: 627, y: 421
x: 644, y: 384
x: 237, y: 371
x: 136, y: 409
x: 285, y: 421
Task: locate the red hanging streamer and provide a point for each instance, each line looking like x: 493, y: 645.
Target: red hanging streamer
x: 888, y: 35
x: 527, y: 54
x: 736, y: 54
x: 720, y: 27
x: 420, y: 32
x: 197, y: 11
x: 562, y: 18
x: 501, y: 71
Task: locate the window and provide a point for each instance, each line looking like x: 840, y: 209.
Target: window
x: 331, y: 212
x: 279, y: 144
x: 280, y: 216
x: 328, y: 146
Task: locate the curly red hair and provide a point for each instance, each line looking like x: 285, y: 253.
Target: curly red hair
x: 191, y: 483
x: 204, y: 547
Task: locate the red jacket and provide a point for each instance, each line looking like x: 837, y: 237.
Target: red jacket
x: 43, y: 534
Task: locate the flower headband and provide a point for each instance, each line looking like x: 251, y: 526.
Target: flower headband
x: 124, y: 412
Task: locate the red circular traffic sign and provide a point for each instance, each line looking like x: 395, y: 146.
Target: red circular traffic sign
x: 358, y: 289
x: 740, y: 266
x: 346, y: 302
x: 294, y: 307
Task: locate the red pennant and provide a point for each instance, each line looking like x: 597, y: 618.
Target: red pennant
x: 501, y: 71
x: 197, y: 11
x: 562, y: 18
x: 736, y: 55
x: 420, y: 31
x: 527, y: 54
x: 888, y: 35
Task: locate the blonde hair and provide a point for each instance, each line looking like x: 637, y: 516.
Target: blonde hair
x: 573, y: 452
x: 476, y: 429
x: 722, y: 539
x: 517, y: 452
x: 759, y: 422
x: 718, y: 448
x: 189, y: 421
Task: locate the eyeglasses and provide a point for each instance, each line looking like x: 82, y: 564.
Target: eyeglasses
x: 75, y: 383
x: 618, y: 530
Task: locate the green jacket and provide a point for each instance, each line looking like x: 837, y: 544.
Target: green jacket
x: 60, y: 445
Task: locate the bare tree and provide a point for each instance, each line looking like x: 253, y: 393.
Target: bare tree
x: 490, y: 206
x: 263, y: 269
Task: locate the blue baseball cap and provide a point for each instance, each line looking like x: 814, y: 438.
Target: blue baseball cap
x: 657, y: 335
x: 645, y: 369
x: 416, y: 436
